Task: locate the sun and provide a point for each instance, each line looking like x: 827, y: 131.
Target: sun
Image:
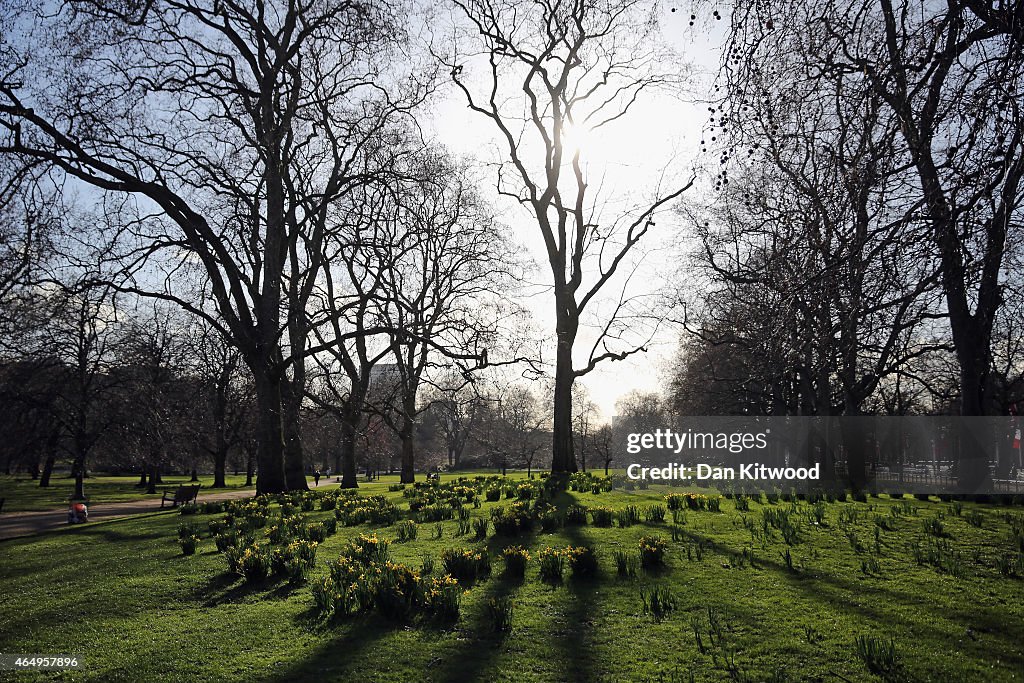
x: 576, y: 139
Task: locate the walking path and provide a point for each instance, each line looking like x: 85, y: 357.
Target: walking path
x: 16, y: 524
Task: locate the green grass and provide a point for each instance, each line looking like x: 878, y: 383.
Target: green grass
x: 122, y: 597
x: 22, y: 493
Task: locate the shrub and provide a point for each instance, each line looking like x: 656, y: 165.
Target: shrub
x: 602, y: 516
x: 657, y: 601
x: 878, y: 655
x: 499, y: 613
x: 552, y: 564
x: 652, y: 551
x: 466, y: 565
x: 654, y: 513
x: 626, y: 563
x: 188, y: 544
x: 576, y: 515
x: 582, y: 561
x: 515, y: 558
x: 408, y: 530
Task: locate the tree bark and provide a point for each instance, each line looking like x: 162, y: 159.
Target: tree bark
x: 44, y: 478
x: 563, y: 460
x: 406, y: 434
x: 269, y: 432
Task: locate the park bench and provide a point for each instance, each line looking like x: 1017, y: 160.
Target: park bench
x: 182, y: 494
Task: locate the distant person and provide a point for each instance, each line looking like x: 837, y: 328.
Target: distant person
x: 316, y: 477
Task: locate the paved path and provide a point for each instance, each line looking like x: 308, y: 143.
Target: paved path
x: 16, y: 524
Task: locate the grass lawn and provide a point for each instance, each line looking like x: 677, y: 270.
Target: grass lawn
x: 121, y: 596
x: 23, y: 493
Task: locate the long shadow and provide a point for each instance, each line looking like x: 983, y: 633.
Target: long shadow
x: 835, y: 592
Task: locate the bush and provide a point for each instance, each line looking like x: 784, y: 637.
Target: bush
x: 652, y: 551
x: 515, y: 558
x: 552, y: 564
x: 499, y: 613
x: 467, y: 566
x: 582, y: 561
x: 188, y: 544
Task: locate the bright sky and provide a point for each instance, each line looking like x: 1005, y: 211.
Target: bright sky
x: 659, y: 132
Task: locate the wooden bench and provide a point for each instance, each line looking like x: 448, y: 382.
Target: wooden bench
x: 182, y: 494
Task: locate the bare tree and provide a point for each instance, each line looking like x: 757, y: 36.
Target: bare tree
x: 949, y: 77
x: 547, y: 69
x: 233, y: 131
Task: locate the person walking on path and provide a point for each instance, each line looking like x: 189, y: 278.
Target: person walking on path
x: 316, y: 477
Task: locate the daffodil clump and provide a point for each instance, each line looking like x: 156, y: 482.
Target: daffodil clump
x: 516, y: 557
x: 652, y: 551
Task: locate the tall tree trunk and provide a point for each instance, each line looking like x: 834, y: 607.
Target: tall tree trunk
x: 269, y: 432
x: 562, y: 457
x: 44, y: 478
x: 407, y: 436
x: 154, y: 476
x: 294, y: 460
x: 345, y: 464
x: 143, y: 479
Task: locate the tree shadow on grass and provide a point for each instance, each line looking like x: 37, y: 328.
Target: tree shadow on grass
x: 861, y: 598
x: 337, y: 657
